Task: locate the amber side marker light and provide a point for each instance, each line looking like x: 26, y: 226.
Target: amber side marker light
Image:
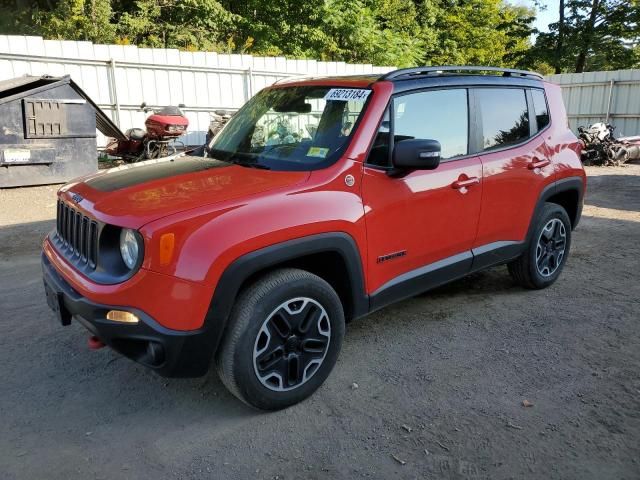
x: 167, y: 242
x: 122, y: 316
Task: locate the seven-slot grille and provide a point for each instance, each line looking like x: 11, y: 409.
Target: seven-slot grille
x: 78, y: 235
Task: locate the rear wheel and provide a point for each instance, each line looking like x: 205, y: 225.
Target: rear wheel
x: 284, y: 336
x: 540, y: 265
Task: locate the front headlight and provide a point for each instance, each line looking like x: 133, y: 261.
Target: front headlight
x: 129, y: 249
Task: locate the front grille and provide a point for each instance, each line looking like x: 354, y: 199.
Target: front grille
x: 77, y: 236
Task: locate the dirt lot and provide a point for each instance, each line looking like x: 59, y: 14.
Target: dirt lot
x: 441, y: 378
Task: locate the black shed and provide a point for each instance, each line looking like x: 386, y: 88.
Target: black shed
x: 48, y: 131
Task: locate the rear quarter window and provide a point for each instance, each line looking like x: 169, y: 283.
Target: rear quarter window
x: 540, y: 108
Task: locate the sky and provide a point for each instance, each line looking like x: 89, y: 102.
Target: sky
x: 544, y: 18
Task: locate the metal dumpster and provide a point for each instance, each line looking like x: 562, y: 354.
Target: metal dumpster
x: 48, y: 131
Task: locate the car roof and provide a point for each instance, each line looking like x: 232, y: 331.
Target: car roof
x: 457, y: 80
x: 423, y: 77
x: 362, y: 80
x: 457, y: 69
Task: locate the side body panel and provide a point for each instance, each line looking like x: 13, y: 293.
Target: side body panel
x: 420, y: 218
x: 512, y: 185
x: 448, y: 241
x: 511, y: 189
x: 208, y: 240
x: 564, y: 146
x: 515, y: 188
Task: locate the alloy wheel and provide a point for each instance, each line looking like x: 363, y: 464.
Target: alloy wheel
x: 291, y: 344
x: 551, y: 247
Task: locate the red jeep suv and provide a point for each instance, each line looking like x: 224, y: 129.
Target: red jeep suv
x: 321, y: 200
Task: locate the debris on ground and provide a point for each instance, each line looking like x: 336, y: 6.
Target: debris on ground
x: 41, y: 434
x: 512, y: 425
x: 443, y: 446
x: 407, y: 428
x: 354, y: 386
x: 602, y: 148
x: 527, y: 403
x: 400, y: 461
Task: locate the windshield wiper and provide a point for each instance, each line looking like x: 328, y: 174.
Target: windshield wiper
x: 261, y: 166
x: 235, y: 159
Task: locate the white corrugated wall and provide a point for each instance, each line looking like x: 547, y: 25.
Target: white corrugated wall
x: 120, y: 77
x: 600, y: 96
x: 206, y: 81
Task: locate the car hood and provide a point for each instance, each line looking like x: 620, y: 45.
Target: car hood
x: 134, y: 195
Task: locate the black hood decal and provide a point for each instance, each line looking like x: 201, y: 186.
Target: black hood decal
x: 135, y: 174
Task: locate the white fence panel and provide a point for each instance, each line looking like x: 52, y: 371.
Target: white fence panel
x: 612, y: 97
x: 120, y: 77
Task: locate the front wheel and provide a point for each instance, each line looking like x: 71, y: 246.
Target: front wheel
x: 283, y: 339
x: 541, y: 263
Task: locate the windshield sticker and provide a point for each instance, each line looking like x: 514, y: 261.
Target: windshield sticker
x: 347, y: 94
x: 318, y: 152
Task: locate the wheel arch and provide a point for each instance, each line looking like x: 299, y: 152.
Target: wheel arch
x: 568, y: 193
x: 569, y: 196
x: 332, y: 256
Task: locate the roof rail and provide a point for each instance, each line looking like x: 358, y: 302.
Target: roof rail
x: 506, y: 72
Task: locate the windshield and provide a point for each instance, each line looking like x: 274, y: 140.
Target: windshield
x: 291, y: 128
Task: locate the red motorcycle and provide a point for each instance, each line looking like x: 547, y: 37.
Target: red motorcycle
x: 163, y: 127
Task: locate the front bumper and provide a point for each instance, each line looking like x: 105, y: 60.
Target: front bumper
x: 171, y: 353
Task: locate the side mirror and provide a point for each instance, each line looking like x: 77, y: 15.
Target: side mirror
x: 416, y: 155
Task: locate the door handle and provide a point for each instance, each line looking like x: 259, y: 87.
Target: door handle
x: 458, y: 184
x: 538, y: 164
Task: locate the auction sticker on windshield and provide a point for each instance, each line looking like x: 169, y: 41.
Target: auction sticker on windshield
x: 347, y: 94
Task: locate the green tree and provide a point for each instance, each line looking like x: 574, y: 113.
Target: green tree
x: 591, y: 35
x: 285, y: 27
x: 382, y: 32
x: 185, y: 24
x: 358, y: 32
x: 78, y: 20
x: 480, y: 32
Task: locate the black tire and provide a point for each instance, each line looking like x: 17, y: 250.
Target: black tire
x: 526, y: 270
x: 260, y: 307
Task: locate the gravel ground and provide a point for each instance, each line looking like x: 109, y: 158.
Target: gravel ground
x: 441, y: 378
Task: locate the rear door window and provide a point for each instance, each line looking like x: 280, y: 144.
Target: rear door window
x: 540, y: 109
x: 504, y: 116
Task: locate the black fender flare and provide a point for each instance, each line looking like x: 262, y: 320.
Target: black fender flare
x: 559, y: 186
x: 249, y: 264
